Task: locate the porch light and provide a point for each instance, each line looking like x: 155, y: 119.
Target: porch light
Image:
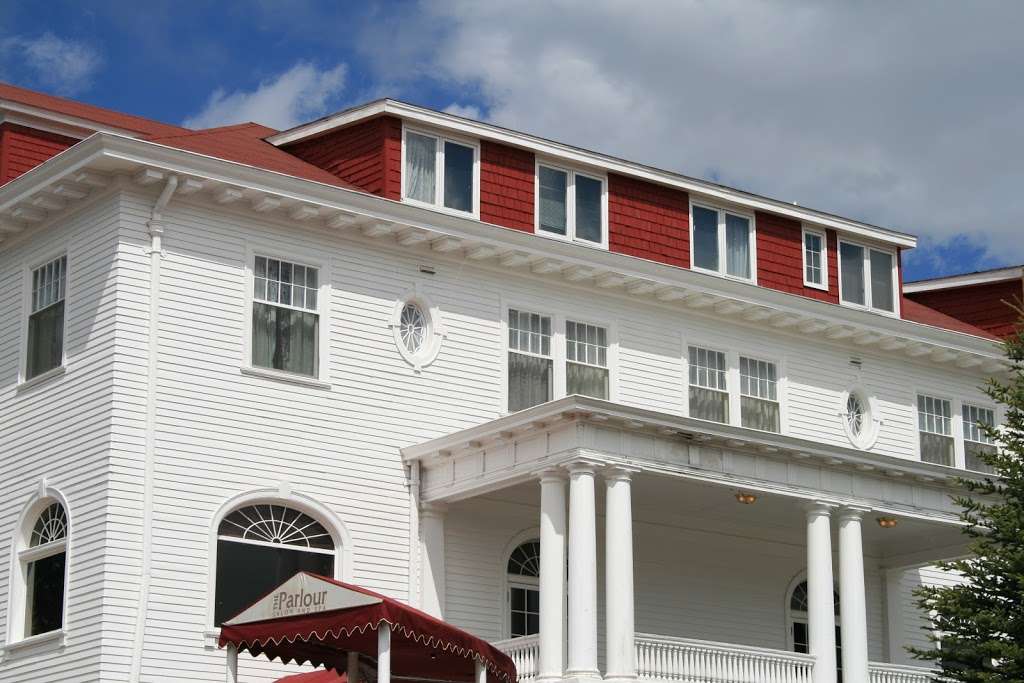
x: 746, y: 498
x: 887, y: 522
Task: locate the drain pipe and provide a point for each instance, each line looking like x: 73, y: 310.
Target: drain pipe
x: 156, y: 233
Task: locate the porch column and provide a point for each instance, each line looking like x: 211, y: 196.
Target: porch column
x: 433, y: 571
x: 231, y: 664
x: 620, y: 659
x: 820, y: 606
x: 552, y: 575
x: 582, y: 572
x: 853, y: 605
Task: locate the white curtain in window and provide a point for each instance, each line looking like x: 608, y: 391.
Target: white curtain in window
x: 737, y: 246
x: 420, y: 167
x: 529, y: 381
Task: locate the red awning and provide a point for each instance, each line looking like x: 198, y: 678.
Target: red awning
x: 316, y: 620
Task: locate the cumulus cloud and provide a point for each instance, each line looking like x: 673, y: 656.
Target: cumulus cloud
x: 469, y: 111
x: 65, y: 67
x: 904, y: 115
x: 302, y: 93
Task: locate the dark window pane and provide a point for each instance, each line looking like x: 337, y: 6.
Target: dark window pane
x: 285, y: 339
x: 553, y: 186
x: 532, y: 624
x: 518, y: 599
x: 529, y: 381
x: 851, y: 262
x: 45, y: 597
x: 705, y: 238
x: 45, y: 340
x: 800, y: 639
x: 458, y: 176
x: 246, y: 572
x: 937, y: 449
x: 588, y: 209
x: 881, y: 280
x: 533, y: 601
x: 518, y: 624
x: 586, y: 380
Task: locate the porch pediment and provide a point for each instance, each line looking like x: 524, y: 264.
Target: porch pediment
x: 512, y: 449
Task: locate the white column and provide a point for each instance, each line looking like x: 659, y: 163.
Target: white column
x: 552, y: 574
x: 480, y: 673
x: 432, y: 567
x: 582, y: 572
x: 620, y: 659
x: 820, y: 606
x: 853, y: 616
x: 231, y: 666
x: 383, y: 653
x: 352, y: 668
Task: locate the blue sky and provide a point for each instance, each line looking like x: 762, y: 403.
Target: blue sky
x: 834, y: 107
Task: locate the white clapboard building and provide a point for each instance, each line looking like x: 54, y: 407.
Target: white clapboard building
x: 622, y: 422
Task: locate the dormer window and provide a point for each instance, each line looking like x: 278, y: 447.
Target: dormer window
x: 723, y: 242
x: 815, y: 259
x: 440, y: 172
x: 571, y: 205
x: 867, y: 277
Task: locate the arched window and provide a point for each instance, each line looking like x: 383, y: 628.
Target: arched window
x: 42, y: 561
x: 524, y: 589
x: 798, y: 622
x: 261, y: 546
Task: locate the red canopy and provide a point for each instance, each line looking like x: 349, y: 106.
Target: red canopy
x: 314, y: 619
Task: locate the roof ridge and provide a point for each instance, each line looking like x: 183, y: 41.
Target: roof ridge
x: 212, y: 131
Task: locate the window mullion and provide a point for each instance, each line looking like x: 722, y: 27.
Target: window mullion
x: 867, y: 278
x: 723, y: 255
x: 570, y: 205
x: 439, y: 173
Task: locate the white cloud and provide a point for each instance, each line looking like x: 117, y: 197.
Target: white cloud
x: 468, y: 111
x: 904, y: 115
x: 302, y: 93
x: 63, y: 66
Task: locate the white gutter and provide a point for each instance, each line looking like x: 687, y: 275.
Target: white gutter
x: 156, y: 233
x: 966, y: 280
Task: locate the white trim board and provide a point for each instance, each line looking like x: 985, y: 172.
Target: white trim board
x: 967, y: 280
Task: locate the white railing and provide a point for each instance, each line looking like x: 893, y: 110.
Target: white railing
x: 701, y: 661
x: 523, y: 652
x: 894, y: 673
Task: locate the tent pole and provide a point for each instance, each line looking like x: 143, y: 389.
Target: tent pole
x: 353, y: 667
x: 481, y: 672
x: 232, y: 664
x: 384, y: 653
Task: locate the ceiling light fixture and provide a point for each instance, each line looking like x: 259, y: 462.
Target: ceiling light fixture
x: 746, y: 498
x: 887, y: 522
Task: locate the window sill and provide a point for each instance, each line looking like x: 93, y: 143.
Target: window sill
x: 284, y: 377
x: 41, y: 379
x: 600, y: 246
x: 442, y: 209
x: 51, y: 639
x: 815, y: 285
x: 724, y: 276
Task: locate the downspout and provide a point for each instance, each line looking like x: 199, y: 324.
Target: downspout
x: 156, y: 233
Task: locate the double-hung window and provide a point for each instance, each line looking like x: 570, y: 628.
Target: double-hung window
x: 935, y: 426
x: 440, y: 172
x: 46, y: 318
x: 976, y: 441
x: 571, y: 205
x: 586, y: 360
x: 285, y: 316
x: 709, y: 393
x: 815, y: 259
x: 867, y: 277
x: 759, y: 395
x: 530, y: 362
x: 723, y: 242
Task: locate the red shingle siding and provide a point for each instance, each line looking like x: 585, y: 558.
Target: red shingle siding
x: 367, y: 155
x: 648, y: 221
x: 22, y: 149
x: 780, y: 259
x: 979, y: 305
x: 506, y: 186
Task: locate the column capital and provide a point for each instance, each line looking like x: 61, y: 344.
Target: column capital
x: 552, y: 473
x: 433, y: 510
x: 819, y: 508
x: 583, y: 466
x: 856, y: 512
x: 619, y: 472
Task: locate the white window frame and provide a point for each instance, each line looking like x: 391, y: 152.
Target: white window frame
x: 961, y: 447
x: 26, y: 306
x: 441, y: 138
x: 823, y: 235
x: 722, y: 212
x: 733, y: 383
x: 584, y: 320
x: 21, y: 555
x: 867, y: 305
x: 739, y: 387
x: 558, y: 355
x: 570, y: 206
x: 955, y: 426
x: 303, y: 258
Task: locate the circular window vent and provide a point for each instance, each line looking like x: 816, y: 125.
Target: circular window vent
x: 860, y: 418
x: 416, y: 325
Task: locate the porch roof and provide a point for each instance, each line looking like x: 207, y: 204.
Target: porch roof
x: 513, y: 448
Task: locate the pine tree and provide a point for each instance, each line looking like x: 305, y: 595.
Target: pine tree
x: 980, y: 623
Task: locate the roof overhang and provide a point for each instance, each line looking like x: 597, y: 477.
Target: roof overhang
x: 514, y: 448
x: 41, y: 196
x: 967, y: 280
x: 577, y: 155
x: 61, y: 124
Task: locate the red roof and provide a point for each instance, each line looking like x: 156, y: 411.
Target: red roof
x: 243, y: 143
x: 106, y: 117
x: 920, y: 313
